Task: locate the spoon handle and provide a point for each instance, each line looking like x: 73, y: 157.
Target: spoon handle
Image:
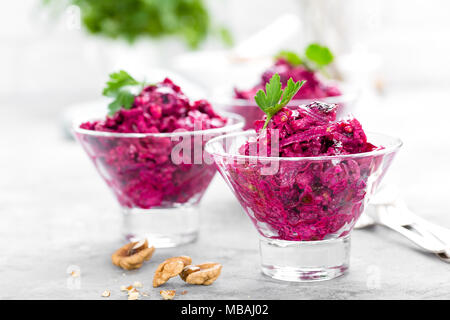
x: 413, y: 229
x: 441, y: 233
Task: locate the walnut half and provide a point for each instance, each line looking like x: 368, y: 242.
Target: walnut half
x: 205, y: 273
x: 169, y: 269
x: 132, y: 255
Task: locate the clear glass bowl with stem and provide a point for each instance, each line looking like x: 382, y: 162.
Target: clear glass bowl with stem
x: 304, y: 208
x: 157, y: 178
x: 249, y: 110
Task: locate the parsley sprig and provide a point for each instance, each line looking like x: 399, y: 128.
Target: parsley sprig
x: 316, y: 57
x: 123, y: 88
x: 269, y: 101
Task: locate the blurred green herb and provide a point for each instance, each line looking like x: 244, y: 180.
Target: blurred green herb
x: 269, y: 101
x: 122, y: 87
x: 131, y: 19
x: 316, y: 57
x: 318, y: 54
x: 226, y: 36
x: 290, y: 57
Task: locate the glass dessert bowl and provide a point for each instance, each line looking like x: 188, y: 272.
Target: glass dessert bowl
x: 158, y: 179
x: 303, y: 178
x: 304, y: 208
x: 151, y: 156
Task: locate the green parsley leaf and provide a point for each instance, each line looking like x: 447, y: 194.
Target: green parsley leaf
x: 290, y: 91
x: 318, y: 54
x: 271, y: 97
x: 123, y: 99
x: 269, y: 101
x: 291, y: 57
x: 120, y: 87
x: 117, y: 80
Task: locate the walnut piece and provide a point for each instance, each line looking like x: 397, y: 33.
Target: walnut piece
x: 169, y: 269
x: 167, y: 294
x: 205, y: 273
x: 188, y: 270
x: 106, y: 293
x: 132, y: 255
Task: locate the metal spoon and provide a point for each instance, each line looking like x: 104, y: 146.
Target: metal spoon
x: 388, y: 210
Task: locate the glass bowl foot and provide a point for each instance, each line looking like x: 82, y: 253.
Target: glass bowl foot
x: 304, y: 261
x: 162, y: 227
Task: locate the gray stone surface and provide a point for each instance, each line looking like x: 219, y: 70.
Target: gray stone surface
x: 56, y: 214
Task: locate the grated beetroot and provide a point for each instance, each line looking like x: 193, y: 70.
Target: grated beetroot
x: 314, y: 88
x: 140, y: 170
x: 305, y: 199
x: 160, y: 108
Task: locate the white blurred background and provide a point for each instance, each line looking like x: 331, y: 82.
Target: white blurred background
x: 406, y: 42
x: 396, y: 51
